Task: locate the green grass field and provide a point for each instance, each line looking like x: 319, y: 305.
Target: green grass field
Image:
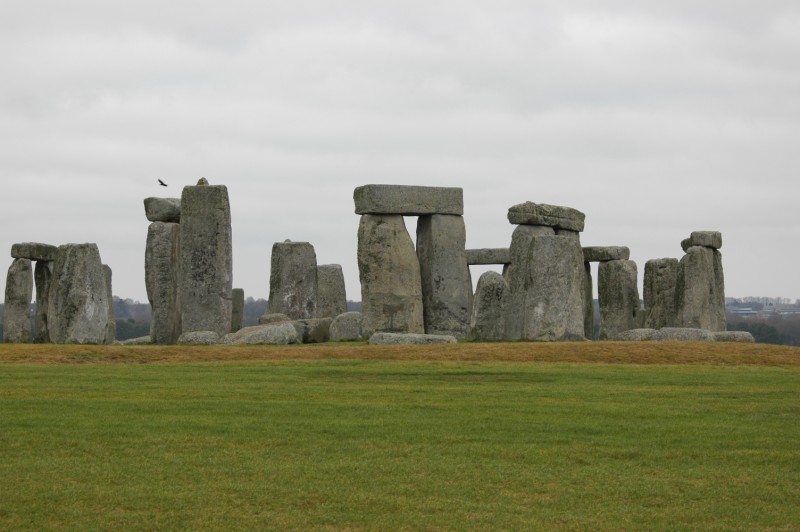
x: 398, y: 444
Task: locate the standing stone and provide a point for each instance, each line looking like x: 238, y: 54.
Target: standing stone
x: 162, y: 268
x: 388, y: 268
x: 206, y: 278
x: 554, y: 290
x: 445, y: 277
x: 660, y: 278
x: 619, y: 297
x: 489, y: 308
x: 700, y: 290
x: 293, y: 280
x: 77, y: 310
x: 588, y: 300
x: 42, y: 277
x: 331, y: 295
x: 111, y: 327
x: 17, y: 309
x: 516, y: 275
x: 237, y: 311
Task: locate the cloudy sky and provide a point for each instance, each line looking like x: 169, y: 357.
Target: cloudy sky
x: 653, y: 118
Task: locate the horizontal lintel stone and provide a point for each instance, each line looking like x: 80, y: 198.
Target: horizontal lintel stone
x: 706, y: 239
x: 530, y: 213
x: 605, y: 253
x: 34, y: 251
x: 163, y: 209
x: 408, y: 200
x: 489, y: 256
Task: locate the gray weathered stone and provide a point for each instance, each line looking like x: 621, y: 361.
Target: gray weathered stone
x: 408, y: 200
x: 331, y: 294
x: 77, y: 311
x: 683, y: 334
x: 274, y: 333
x: 162, y: 272
x: 202, y: 182
x: 516, y: 275
x: 618, y: 295
x: 268, y: 318
x: 346, y: 327
x: 488, y: 256
x: 660, y: 276
x: 530, y: 213
x: 734, y: 336
x: 42, y: 277
x: 293, y: 280
x: 237, y: 308
x: 313, y: 331
x: 142, y: 340
x: 635, y: 335
x: 199, y: 338
x: 605, y: 253
x: 34, y: 251
x: 588, y: 301
x: 706, y: 239
x: 17, y: 307
x: 384, y: 338
x: 166, y: 210
x: 444, y: 273
x: 391, y: 291
x: 111, y: 326
x: 489, y: 308
x: 554, y: 290
x: 700, y: 290
x: 206, y: 278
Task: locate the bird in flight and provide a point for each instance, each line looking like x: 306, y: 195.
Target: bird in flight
x: 162, y: 183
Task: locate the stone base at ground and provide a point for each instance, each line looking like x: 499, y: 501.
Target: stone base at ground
x: 382, y: 338
x: 276, y: 334
x: 734, y: 336
x: 313, y: 331
x: 346, y: 327
x: 199, y: 338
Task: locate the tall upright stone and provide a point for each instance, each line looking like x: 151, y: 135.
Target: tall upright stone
x: 42, y: 277
x: 487, y: 323
x: 111, y: 326
x: 516, y: 275
x: 391, y: 290
x: 331, y: 295
x: 206, y: 259
x: 293, y: 280
x: 700, y: 290
x: 618, y: 296
x: 162, y: 269
x: 445, y: 276
x: 78, y: 302
x: 660, y: 279
x: 588, y: 301
x: 237, y: 312
x: 17, y: 309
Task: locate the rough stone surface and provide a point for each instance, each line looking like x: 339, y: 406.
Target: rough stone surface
x: 163, y: 209
x: 683, y: 334
x: 618, y: 295
x: 111, y: 326
x: 391, y: 289
x: 42, y: 277
x: 384, y: 338
x: 516, y: 275
x: 530, y: 213
x: 162, y: 270
x: 346, y: 327
x: 660, y: 276
x: 444, y: 274
x: 700, y: 290
x: 331, y: 294
x: 268, y: 318
x: 605, y: 253
x: 635, y: 335
x: 707, y: 239
x: 206, y: 278
x: 274, y: 333
x: 408, y: 200
x: 293, y: 280
x: 734, y: 336
x: 237, y: 309
x: 17, y: 306
x: 554, y: 290
x: 313, y: 331
x: 77, y: 310
x: 588, y: 301
x: 488, y: 256
x: 199, y: 338
x: 34, y: 251
x: 489, y: 308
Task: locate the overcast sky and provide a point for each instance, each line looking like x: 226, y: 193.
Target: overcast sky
x: 653, y: 118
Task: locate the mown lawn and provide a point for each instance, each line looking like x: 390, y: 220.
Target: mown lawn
x: 399, y: 444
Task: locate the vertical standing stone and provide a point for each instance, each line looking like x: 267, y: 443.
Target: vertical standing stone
x: 660, y: 278
x: 516, y: 275
x: 293, y: 280
x: 391, y: 291
x: 77, y: 311
x: 42, y: 276
x: 111, y: 327
x: 445, y: 277
x: 619, y: 297
x: 206, y: 277
x: 331, y: 295
x: 588, y: 301
x: 554, y: 290
x: 162, y: 269
x: 489, y: 308
x: 17, y: 309
x: 237, y: 312
x: 700, y: 290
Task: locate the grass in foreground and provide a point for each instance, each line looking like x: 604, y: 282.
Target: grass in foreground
x: 338, y: 444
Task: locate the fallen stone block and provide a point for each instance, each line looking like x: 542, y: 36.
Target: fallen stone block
x: 313, y: 331
x: 734, y: 336
x: 383, y: 338
x: 635, y: 335
x: 408, y: 200
x: 274, y: 334
x: 346, y: 327
x: 682, y: 334
x: 199, y: 338
x: 273, y: 317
